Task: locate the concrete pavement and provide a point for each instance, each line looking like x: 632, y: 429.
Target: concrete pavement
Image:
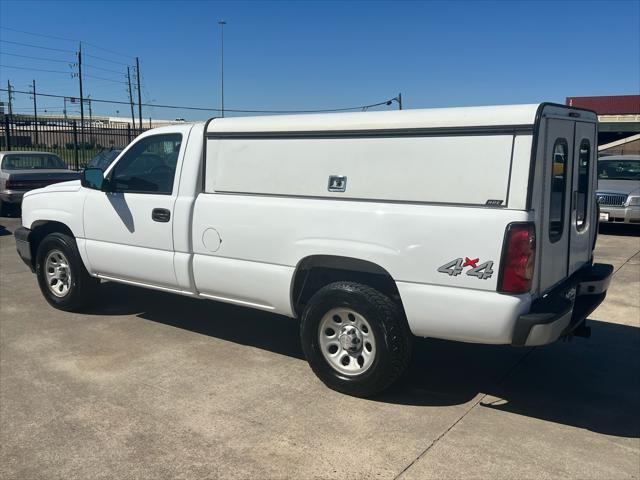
x: 152, y: 385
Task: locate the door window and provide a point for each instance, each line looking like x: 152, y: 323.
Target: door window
x: 558, y: 189
x: 148, y: 167
x: 582, y: 194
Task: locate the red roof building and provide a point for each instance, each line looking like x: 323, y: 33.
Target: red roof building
x: 618, y: 121
x: 609, y: 105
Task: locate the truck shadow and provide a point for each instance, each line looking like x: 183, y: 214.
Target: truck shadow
x: 620, y: 229
x: 119, y: 204
x: 591, y: 384
x: 585, y: 383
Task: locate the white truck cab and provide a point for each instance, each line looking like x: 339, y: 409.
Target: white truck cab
x: 470, y: 224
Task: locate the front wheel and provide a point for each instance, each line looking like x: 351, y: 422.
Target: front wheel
x: 62, y: 277
x: 355, y: 338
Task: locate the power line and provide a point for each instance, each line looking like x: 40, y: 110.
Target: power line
x: 57, y: 50
x: 119, y: 102
x: 104, y: 84
x: 65, y: 39
x: 40, y: 108
x: 37, y: 34
x: 60, y: 71
x: 104, y: 59
x: 37, y: 46
x: 103, y: 78
x: 106, y: 50
x: 35, y: 69
x: 36, y: 58
x: 104, y: 69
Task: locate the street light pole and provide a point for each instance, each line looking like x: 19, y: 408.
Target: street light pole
x: 222, y: 23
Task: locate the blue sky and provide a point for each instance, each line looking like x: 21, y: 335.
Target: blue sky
x: 308, y: 55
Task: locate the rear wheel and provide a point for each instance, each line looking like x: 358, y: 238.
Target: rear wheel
x: 62, y: 277
x: 355, y: 338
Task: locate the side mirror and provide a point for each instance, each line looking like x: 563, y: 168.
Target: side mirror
x: 92, y: 178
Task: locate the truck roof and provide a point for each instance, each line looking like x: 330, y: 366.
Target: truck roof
x: 501, y: 115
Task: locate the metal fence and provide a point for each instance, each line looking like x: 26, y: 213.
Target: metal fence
x: 74, y: 142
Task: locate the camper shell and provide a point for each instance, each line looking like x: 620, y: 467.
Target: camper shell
x: 479, y: 157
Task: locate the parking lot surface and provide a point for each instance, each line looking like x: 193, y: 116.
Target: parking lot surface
x: 153, y: 385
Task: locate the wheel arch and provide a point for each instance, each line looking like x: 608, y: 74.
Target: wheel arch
x: 315, y: 271
x: 39, y: 230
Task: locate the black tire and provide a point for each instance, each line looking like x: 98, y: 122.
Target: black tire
x: 391, y: 332
x: 3, y: 209
x: 82, y: 288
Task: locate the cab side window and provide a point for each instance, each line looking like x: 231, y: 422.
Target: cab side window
x: 558, y: 189
x: 149, y: 167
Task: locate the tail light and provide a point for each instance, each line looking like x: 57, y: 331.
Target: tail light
x: 518, y: 258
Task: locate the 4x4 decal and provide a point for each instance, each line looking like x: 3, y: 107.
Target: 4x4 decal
x: 455, y: 268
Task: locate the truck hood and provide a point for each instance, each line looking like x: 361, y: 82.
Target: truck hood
x: 70, y: 186
x: 626, y: 187
x: 42, y: 174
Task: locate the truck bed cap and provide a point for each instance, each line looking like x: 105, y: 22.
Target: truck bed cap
x: 502, y: 115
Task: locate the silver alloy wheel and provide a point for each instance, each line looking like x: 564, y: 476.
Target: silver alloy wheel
x: 58, y: 273
x: 347, y: 341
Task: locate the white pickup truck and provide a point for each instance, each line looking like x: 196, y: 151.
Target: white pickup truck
x: 469, y: 224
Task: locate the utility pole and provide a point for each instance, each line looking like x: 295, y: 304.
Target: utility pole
x: 64, y: 110
x: 139, y: 95
x: 400, y: 101
x: 133, y: 118
x: 9, y: 121
x: 81, y: 99
x: 10, y: 93
x: 91, y: 139
x: 35, y: 112
x: 222, y: 23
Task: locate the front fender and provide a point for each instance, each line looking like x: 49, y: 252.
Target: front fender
x: 64, y: 207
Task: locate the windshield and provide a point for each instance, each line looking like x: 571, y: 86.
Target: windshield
x: 103, y: 159
x: 32, y: 161
x: 619, y: 169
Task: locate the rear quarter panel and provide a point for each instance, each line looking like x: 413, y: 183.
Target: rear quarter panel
x: 267, y: 237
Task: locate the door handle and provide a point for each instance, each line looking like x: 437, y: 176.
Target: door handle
x: 160, y: 215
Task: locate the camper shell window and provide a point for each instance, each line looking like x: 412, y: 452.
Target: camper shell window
x: 558, y: 189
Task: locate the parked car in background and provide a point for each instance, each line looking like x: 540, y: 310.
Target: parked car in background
x: 24, y: 171
x: 618, y: 190
x: 103, y: 159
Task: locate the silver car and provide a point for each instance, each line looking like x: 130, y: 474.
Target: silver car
x: 619, y: 188
x: 24, y: 171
